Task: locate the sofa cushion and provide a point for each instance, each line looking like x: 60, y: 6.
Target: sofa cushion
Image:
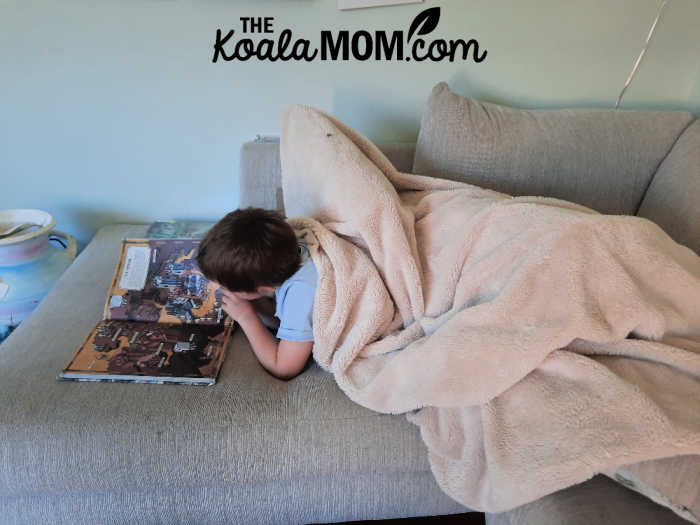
x: 60, y: 440
x: 673, y: 198
x: 328, y: 499
x: 600, y: 158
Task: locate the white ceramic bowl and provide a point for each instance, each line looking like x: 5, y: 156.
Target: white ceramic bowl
x: 10, y: 218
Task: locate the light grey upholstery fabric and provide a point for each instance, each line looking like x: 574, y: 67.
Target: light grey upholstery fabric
x: 120, y: 451
x: 673, y: 198
x: 598, y: 501
x: 261, y: 171
x: 600, y: 158
x: 260, y: 179
x: 303, y: 500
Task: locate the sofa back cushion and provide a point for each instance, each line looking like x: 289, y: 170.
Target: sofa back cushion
x: 603, y: 159
x: 673, y: 198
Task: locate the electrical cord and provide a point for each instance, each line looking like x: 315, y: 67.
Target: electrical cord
x: 641, y: 54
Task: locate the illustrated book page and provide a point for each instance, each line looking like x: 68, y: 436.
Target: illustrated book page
x: 158, y: 280
x: 150, y: 353
x: 178, y: 229
x: 163, y: 320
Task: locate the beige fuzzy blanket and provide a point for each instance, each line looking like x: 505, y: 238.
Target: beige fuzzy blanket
x: 542, y: 341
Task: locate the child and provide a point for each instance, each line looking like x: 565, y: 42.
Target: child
x: 254, y: 255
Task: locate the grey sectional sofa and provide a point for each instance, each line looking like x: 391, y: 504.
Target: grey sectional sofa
x: 254, y: 449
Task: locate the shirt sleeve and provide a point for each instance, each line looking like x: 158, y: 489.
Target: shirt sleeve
x: 295, y: 312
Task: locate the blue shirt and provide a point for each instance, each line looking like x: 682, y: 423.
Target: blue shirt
x: 294, y: 300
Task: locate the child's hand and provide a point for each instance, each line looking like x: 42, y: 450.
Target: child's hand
x: 235, y: 306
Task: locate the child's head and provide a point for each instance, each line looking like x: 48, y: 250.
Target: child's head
x: 249, y: 249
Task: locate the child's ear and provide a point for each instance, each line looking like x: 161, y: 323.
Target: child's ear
x: 266, y: 290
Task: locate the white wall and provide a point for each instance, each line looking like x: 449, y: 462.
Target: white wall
x: 112, y: 111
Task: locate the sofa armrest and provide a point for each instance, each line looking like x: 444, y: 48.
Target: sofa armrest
x: 261, y: 171
x: 261, y: 176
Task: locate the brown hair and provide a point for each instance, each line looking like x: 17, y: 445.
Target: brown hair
x: 248, y: 248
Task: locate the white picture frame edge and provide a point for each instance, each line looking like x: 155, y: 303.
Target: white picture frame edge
x: 360, y: 4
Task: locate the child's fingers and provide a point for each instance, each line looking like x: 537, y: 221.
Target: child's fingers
x: 227, y: 308
x: 231, y: 295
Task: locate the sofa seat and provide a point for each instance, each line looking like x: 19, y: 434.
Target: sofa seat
x: 250, y: 449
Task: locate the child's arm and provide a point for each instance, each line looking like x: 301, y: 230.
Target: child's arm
x: 284, y: 359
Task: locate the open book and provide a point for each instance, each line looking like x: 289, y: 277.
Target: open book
x: 162, y: 323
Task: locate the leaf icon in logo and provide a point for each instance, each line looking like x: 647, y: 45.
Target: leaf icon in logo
x: 429, y: 18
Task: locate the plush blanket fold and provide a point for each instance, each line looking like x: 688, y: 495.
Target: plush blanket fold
x: 535, y: 342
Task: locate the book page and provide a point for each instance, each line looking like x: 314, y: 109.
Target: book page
x: 134, y: 350
x: 157, y: 280
x: 178, y: 229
